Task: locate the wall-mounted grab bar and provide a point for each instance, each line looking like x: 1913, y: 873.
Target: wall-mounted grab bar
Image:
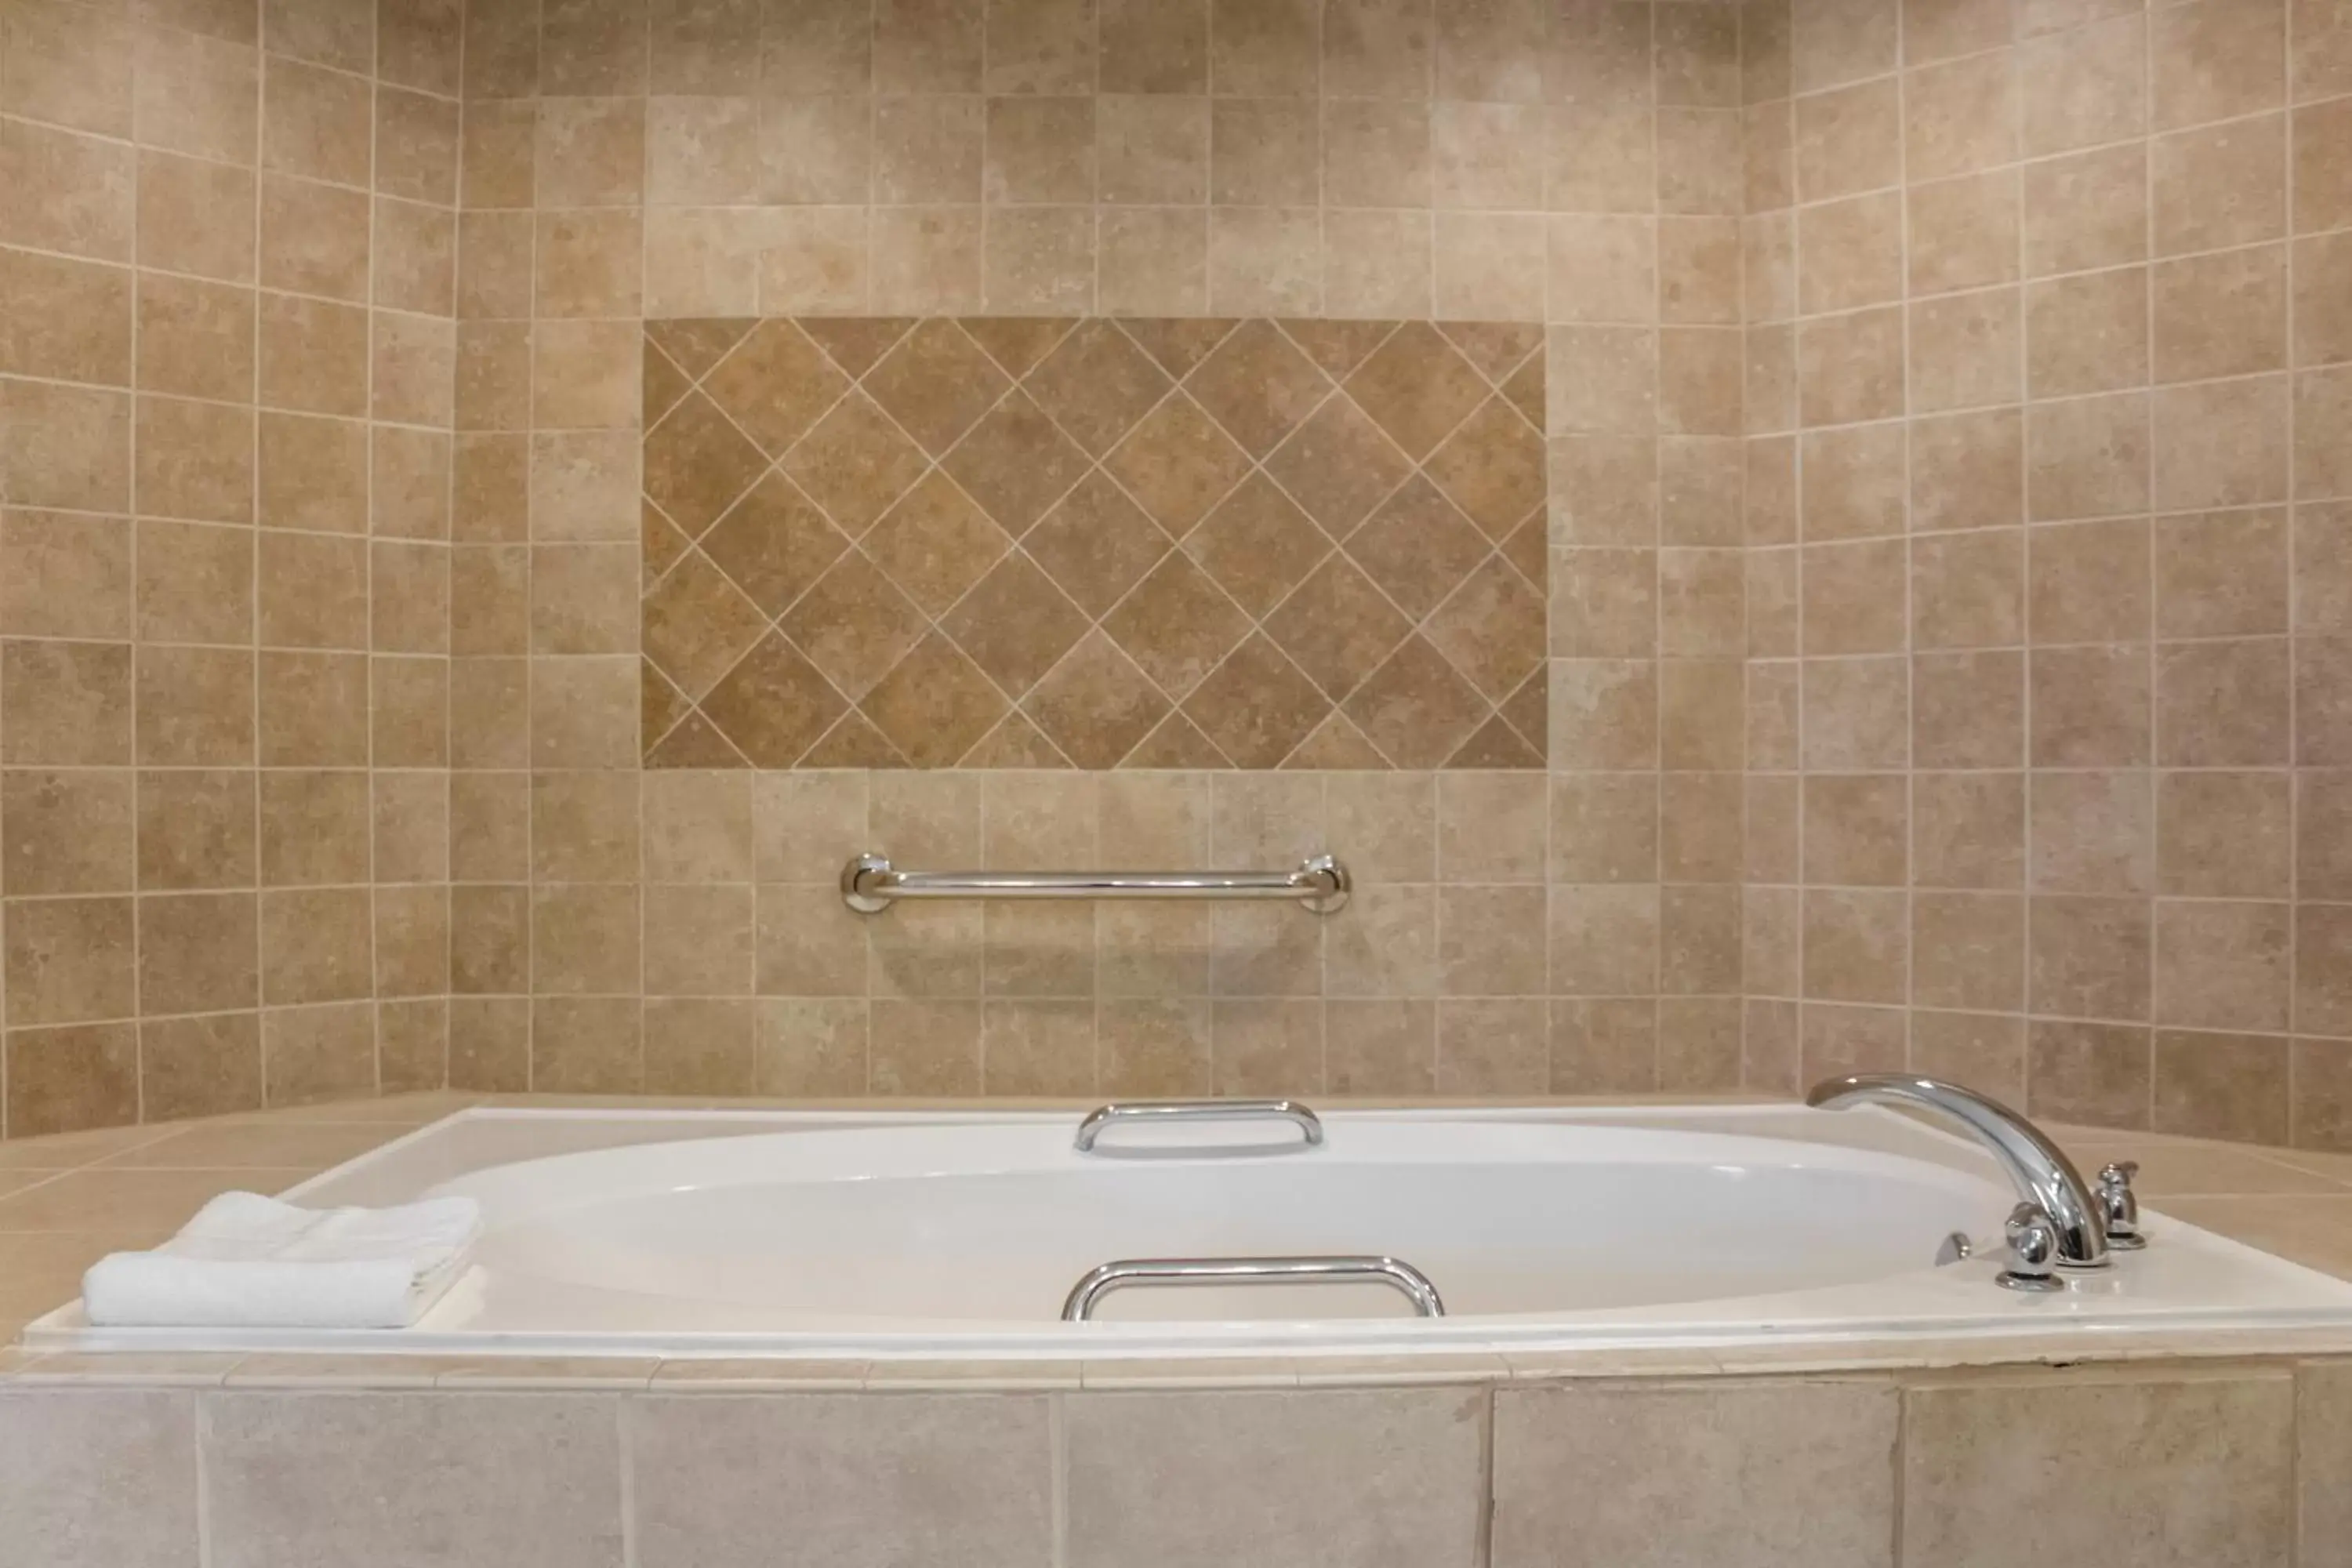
x: 870, y: 884
x: 1390, y: 1271
x: 1290, y: 1110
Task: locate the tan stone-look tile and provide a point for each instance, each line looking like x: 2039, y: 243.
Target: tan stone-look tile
x: 1969, y: 1442
x: 1849, y: 1429
x: 255, y: 1435
x: 75, y: 1444
x: 1428, y: 1514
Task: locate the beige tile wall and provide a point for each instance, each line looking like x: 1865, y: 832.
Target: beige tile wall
x: 1572, y: 164
x: 2050, y: 393
x: 1994, y: 454
x: 226, y: 297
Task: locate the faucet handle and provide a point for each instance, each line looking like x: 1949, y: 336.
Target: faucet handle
x: 2119, y: 1206
x: 2032, y: 1249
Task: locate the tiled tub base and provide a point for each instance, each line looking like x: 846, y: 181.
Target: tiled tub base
x: 2214, y: 1465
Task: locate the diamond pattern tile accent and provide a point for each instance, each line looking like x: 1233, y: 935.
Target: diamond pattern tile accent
x: 935, y: 705
x: 1258, y: 386
x: 1257, y: 544
x: 696, y: 343
x: 936, y: 543
x: 1055, y: 542
x: 1496, y: 348
x: 936, y: 384
x: 660, y: 545
x: 1418, y: 546
x: 1492, y: 629
x: 697, y: 463
x: 1095, y: 705
x: 1416, y: 707
x: 1338, y: 626
x: 696, y: 623
x: 855, y: 343
x: 1015, y: 624
x: 1015, y: 743
x: 855, y: 463
x: 695, y: 742
x: 664, y: 385
x: 1418, y: 387
x: 1177, y: 744
x: 774, y: 704
x: 1178, y: 345
x: 1338, y: 466
x: 1016, y: 464
x: 1178, y: 464
x: 1016, y: 342
x: 1337, y: 346
x: 1097, y: 543
x: 775, y: 385
x: 1257, y: 706
x: 854, y: 625
x: 1493, y: 468
x: 1097, y: 385
x: 852, y: 743
x: 1337, y: 744
x: 660, y: 705
x: 774, y: 543
x: 1177, y: 624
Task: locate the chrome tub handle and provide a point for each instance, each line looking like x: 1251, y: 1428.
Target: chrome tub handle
x: 1392, y: 1272
x: 1289, y: 1111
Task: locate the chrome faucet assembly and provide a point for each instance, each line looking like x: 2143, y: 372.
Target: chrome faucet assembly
x: 2060, y: 1224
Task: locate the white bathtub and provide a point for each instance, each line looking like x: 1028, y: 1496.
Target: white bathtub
x: 886, y: 1235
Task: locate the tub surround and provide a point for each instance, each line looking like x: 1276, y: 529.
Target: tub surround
x: 2236, y: 1463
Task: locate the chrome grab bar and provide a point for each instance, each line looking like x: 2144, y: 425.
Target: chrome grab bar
x: 1289, y: 1111
x: 870, y: 884
x: 1390, y: 1271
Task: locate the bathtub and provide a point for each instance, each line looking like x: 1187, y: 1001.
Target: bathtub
x: 930, y: 1235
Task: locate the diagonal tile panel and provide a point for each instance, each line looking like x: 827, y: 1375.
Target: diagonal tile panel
x: 775, y: 385
x: 1056, y: 543
x: 1258, y: 386
x: 936, y: 543
x: 1095, y: 705
x: 1417, y: 388
x: 697, y: 624
x: 1178, y: 346
x: 697, y: 463
x: 855, y: 463
x: 1338, y: 465
x: 1176, y: 464
x: 1015, y: 463
x: 1178, y: 624
x: 1097, y: 543
x: 1492, y: 467
x: 936, y: 384
x: 1257, y: 544
x: 774, y: 704
x: 1096, y: 385
x: 774, y: 545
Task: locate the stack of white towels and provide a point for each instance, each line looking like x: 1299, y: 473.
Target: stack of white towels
x: 250, y: 1262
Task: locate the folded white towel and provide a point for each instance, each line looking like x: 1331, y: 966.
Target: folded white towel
x: 250, y: 1262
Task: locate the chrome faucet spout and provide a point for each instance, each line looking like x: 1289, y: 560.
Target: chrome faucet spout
x: 2036, y: 1166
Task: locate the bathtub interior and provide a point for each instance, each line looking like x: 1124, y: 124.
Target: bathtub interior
x: 882, y: 1235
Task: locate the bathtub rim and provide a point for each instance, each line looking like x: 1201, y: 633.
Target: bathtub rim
x: 2311, y: 1331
